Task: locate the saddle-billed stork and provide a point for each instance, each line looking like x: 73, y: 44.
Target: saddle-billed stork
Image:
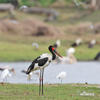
x: 41, y: 62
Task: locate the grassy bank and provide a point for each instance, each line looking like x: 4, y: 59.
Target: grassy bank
x: 20, y: 49
x: 51, y: 92
x: 25, y: 52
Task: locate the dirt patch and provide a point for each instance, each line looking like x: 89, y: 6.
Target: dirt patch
x: 30, y: 27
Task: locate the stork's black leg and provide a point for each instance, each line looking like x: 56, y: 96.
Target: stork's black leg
x: 42, y: 80
x: 40, y: 83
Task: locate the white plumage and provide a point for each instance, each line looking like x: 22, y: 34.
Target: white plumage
x: 58, y: 42
x: 70, y: 51
x: 69, y: 58
x: 40, y: 63
x: 23, y: 7
x: 36, y: 67
x: 35, y: 45
x: 78, y: 41
x: 79, y: 3
x: 92, y: 26
x: 76, y: 3
x: 31, y: 74
x: 46, y: 55
x: 61, y: 76
x: 93, y: 42
x: 6, y: 72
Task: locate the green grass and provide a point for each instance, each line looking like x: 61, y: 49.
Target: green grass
x: 51, y: 92
x: 25, y: 52
x: 19, y: 47
x: 85, y: 53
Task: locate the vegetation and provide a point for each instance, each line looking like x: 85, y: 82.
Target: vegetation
x: 16, y: 47
x: 51, y: 92
x: 23, y: 51
x: 19, y: 47
x: 26, y: 2
x: 43, y: 3
x: 14, y: 2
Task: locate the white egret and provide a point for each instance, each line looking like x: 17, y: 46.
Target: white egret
x: 69, y: 58
x: 61, y: 76
x: 92, y: 43
x: 23, y: 7
x: 57, y: 44
x: 31, y: 74
x: 35, y: 45
x: 6, y: 72
x: 77, y: 42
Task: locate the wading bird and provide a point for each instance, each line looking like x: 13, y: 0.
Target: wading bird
x: 97, y: 56
x: 57, y: 44
x: 92, y: 44
x: 31, y: 74
x: 69, y: 58
x: 77, y: 43
x: 41, y: 62
x: 6, y: 72
x: 35, y: 45
x: 23, y: 7
x: 61, y: 76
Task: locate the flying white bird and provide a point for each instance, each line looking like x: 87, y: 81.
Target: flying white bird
x: 61, y: 76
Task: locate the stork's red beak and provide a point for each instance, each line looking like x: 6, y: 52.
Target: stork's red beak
x: 57, y: 53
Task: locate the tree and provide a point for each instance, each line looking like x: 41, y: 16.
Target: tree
x: 95, y: 4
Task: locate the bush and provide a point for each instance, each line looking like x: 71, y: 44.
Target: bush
x: 4, y: 1
x: 43, y: 3
x: 28, y: 3
x: 46, y: 3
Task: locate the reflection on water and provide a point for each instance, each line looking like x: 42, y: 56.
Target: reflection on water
x: 80, y: 72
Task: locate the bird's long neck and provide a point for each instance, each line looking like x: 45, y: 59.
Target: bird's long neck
x: 53, y: 55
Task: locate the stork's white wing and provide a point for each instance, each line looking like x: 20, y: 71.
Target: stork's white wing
x: 45, y: 55
x: 5, y: 73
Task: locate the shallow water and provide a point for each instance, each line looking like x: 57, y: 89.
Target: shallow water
x: 80, y: 72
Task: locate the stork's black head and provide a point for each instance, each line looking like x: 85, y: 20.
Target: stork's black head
x: 52, y: 50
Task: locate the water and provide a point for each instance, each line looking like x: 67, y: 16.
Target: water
x: 80, y: 72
